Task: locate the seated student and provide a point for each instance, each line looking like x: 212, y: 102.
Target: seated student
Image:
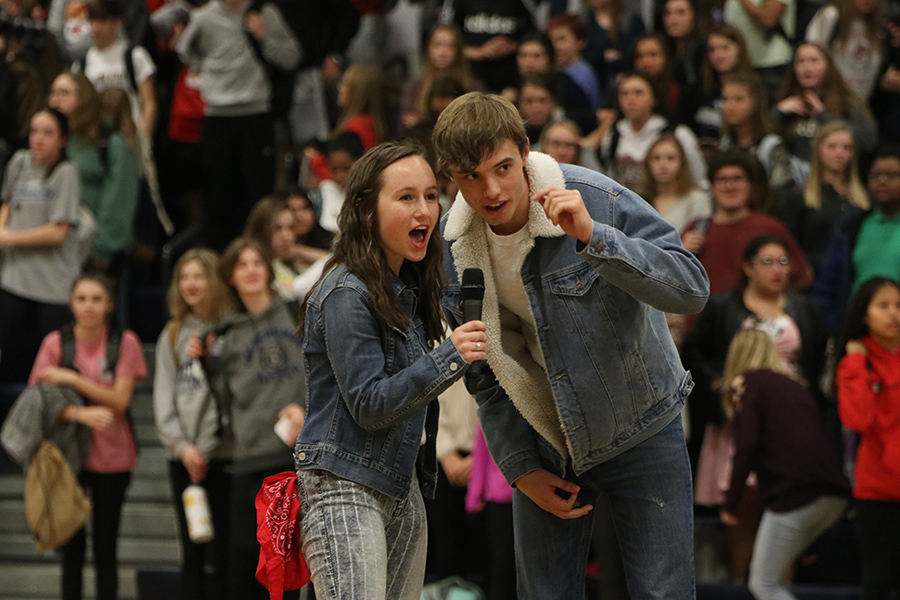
x: 813, y: 94
x: 864, y: 243
x: 719, y: 241
x: 681, y: 29
x: 271, y: 223
x: 363, y: 97
x: 832, y: 189
x: 340, y: 155
x: 624, y: 147
x: 562, y: 140
x: 611, y: 31
x: 669, y: 187
x: 569, y: 36
x: 536, y: 56
x: 746, y: 126
x: 651, y: 57
x: 537, y: 105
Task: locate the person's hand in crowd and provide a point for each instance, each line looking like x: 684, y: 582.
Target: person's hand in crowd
x: 814, y: 104
x: 4, y: 236
x: 470, y: 340
x: 728, y: 518
x: 194, y: 462
x: 58, y: 376
x: 857, y: 347
x: 254, y: 24
x: 195, y: 348
x: 177, y: 30
x: 793, y: 105
x: 95, y: 417
x: 693, y: 241
x: 297, y: 416
x: 457, y: 468
x: 409, y: 119
x: 890, y: 81
x: 612, y: 54
x: 566, y: 208
x: 501, y: 46
x: 541, y: 485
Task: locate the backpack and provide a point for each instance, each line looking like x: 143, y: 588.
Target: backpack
x: 55, y: 504
x: 81, y: 66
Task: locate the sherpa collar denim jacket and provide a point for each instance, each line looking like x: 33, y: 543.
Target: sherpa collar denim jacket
x: 613, y: 375
x: 371, y: 389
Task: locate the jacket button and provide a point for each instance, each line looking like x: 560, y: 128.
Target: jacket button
x: 454, y: 366
x: 302, y: 456
x: 599, y: 246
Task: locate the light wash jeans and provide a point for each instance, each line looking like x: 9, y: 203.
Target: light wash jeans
x: 359, y: 543
x: 782, y: 537
x: 649, y: 489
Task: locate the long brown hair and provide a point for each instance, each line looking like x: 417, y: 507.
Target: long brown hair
x: 836, y: 95
x: 359, y: 244
x: 229, y: 261
x: 86, y: 120
x: 367, y: 94
x: 812, y: 191
x: 848, y: 13
x: 759, y: 118
x: 459, y: 70
x: 684, y: 181
x: 219, y: 300
x: 117, y: 108
x: 262, y: 220
x: 709, y: 76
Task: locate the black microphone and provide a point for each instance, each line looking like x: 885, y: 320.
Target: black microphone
x: 472, y: 297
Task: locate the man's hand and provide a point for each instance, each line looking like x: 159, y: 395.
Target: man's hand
x: 457, y: 468
x: 194, y: 463
x: 541, y: 485
x: 566, y: 208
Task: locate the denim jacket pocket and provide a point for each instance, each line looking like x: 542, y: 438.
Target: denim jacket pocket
x: 574, y: 283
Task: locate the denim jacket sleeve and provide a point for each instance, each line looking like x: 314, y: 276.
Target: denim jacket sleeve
x: 376, y: 398
x: 642, y: 254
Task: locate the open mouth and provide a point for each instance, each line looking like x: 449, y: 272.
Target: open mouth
x: 419, y: 236
x: 495, y: 207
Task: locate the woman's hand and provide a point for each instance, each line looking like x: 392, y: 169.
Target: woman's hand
x: 857, y: 347
x: 793, y: 105
x: 457, y: 468
x: 814, y: 105
x: 194, y: 462
x: 58, y: 376
x: 470, y: 340
x: 95, y: 417
x: 297, y: 416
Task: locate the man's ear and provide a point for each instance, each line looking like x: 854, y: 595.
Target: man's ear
x: 525, y: 154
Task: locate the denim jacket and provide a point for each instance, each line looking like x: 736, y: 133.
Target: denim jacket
x: 613, y: 377
x: 372, y: 389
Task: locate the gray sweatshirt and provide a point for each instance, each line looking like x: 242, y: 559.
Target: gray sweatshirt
x: 256, y: 369
x: 233, y: 80
x: 185, y: 412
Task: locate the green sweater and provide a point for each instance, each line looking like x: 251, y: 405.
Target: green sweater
x: 110, y: 189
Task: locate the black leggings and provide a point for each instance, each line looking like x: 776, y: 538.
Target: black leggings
x: 878, y: 531
x: 23, y: 325
x: 218, y: 489
x: 107, y: 492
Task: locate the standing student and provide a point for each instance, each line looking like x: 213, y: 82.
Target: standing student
x: 187, y: 417
x: 39, y: 252
x: 868, y: 385
x: 107, y: 390
x: 372, y: 332
x: 779, y: 434
x: 256, y: 372
x: 583, y: 385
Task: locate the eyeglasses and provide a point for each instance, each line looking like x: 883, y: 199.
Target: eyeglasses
x: 891, y: 175
x: 727, y: 180
x: 768, y: 261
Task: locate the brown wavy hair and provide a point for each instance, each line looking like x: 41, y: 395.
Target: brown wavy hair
x: 230, y: 258
x: 759, y: 118
x: 684, y: 181
x: 367, y: 94
x: 86, y: 121
x: 359, y: 244
x: 459, y: 70
x: 219, y: 298
x: 711, y: 80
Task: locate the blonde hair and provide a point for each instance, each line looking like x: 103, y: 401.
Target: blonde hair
x: 750, y: 350
x: 219, y: 298
x: 459, y: 70
x: 367, y: 94
x: 117, y: 106
x: 472, y: 127
x: 812, y: 191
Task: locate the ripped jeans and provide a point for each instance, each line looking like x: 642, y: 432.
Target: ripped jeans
x: 360, y: 543
x: 649, y: 489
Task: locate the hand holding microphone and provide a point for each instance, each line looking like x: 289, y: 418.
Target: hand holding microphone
x: 470, y: 338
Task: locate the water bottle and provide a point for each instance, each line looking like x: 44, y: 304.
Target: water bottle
x: 196, y: 511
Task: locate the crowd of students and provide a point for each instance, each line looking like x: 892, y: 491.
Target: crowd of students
x: 763, y: 133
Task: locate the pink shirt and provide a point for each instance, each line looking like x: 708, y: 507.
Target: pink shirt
x: 113, y: 450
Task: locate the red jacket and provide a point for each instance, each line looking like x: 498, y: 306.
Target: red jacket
x: 869, y: 404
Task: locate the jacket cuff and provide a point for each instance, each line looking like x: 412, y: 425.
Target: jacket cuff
x: 448, y: 360
x: 597, y: 248
x: 520, y: 463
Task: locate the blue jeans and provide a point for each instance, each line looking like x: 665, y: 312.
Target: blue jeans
x: 360, y: 543
x: 780, y: 540
x: 649, y: 488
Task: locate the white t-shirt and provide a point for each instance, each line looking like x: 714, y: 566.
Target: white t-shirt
x: 507, y: 255
x: 107, y: 69
x: 767, y: 48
